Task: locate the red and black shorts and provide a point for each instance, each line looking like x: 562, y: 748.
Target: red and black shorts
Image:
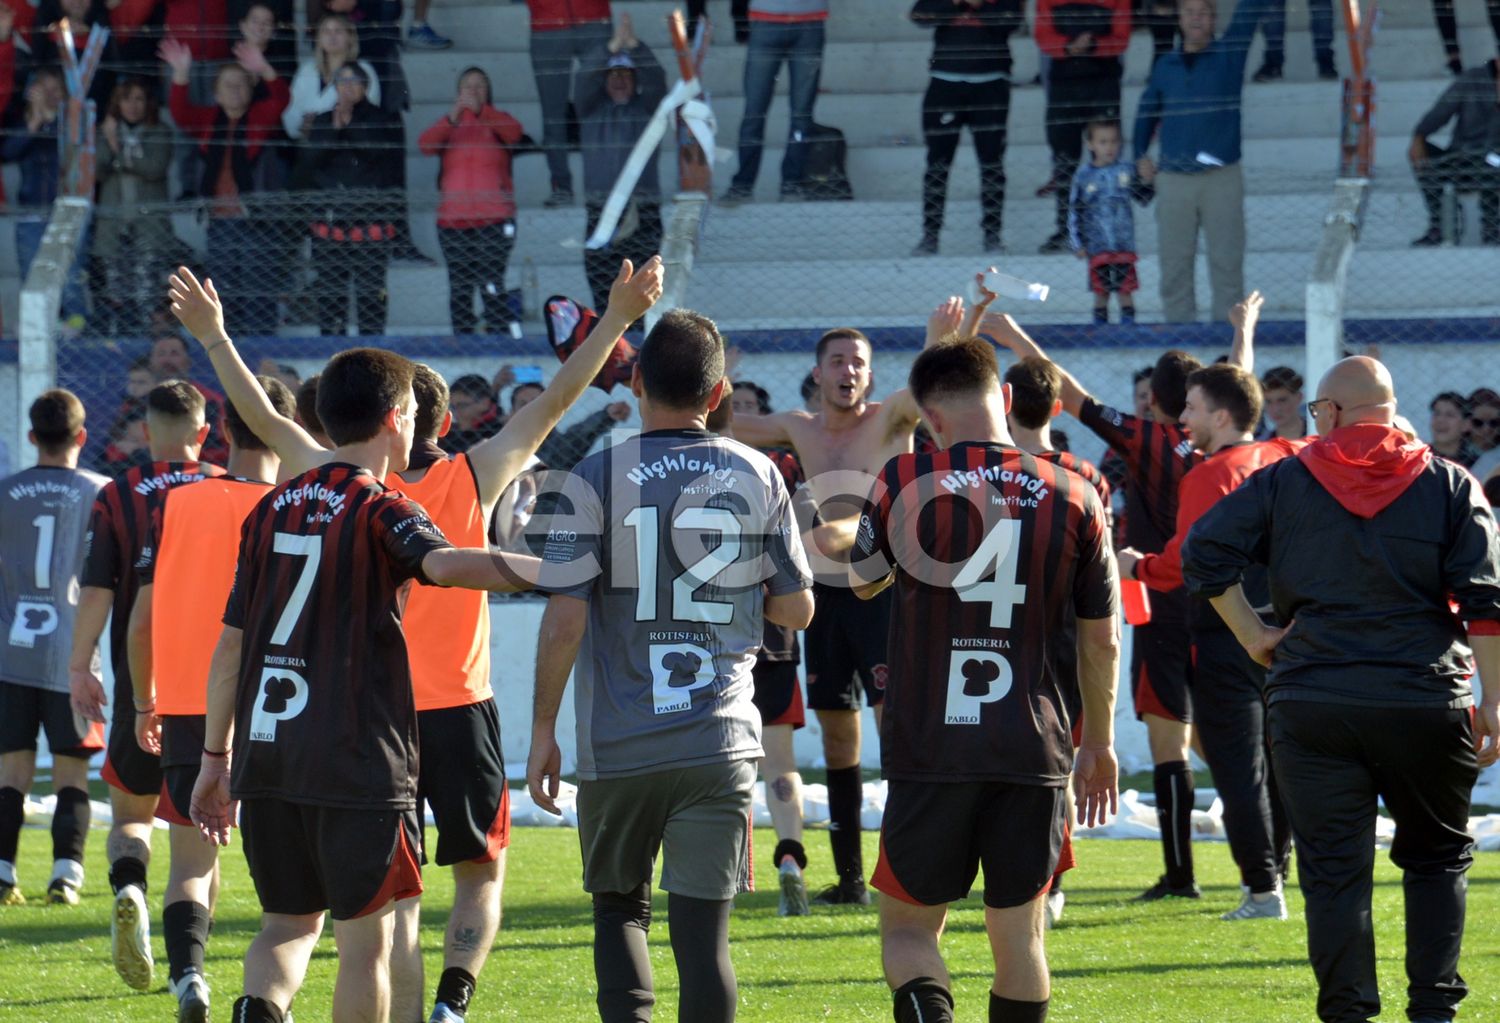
x: 1113, y: 273
x: 462, y: 779
x: 778, y: 694
x: 27, y: 710
x: 1161, y: 670
x: 846, y: 648
x: 127, y: 767
x: 181, y: 756
x: 936, y: 836
x: 306, y: 859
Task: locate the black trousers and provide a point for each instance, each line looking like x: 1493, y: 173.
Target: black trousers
x: 1073, y: 100
x: 1467, y: 172
x: 1447, y: 22
x: 1333, y: 761
x: 947, y: 107
x: 603, y: 265
x: 1229, y: 712
x: 341, y: 265
x: 477, y: 258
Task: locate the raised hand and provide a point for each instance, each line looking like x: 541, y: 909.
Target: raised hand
x: 253, y: 60
x: 197, y: 306
x: 178, y: 57
x: 636, y: 291
x: 1243, y: 316
x: 976, y: 313
x: 945, y: 322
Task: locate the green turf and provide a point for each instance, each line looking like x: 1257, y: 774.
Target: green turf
x: 1111, y: 960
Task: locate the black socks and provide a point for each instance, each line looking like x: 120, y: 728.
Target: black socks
x: 125, y: 871
x: 255, y: 1010
x: 12, y: 816
x: 845, y: 797
x: 789, y: 847
x: 923, y: 1000
x: 70, y: 824
x: 1174, y: 814
x: 455, y: 988
x: 184, y: 929
x: 1007, y: 1010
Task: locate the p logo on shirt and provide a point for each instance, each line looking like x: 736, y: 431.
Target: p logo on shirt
x: 282, y: 696
x: 676, y: 670
x: 33, y: 620
x: 975, y: 677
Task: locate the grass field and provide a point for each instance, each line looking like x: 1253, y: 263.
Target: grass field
x: 1111, y: 960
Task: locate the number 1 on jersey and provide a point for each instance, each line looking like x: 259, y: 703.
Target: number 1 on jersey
x: 999, y: 548
x: 311, y: 548
x: 46, y: 531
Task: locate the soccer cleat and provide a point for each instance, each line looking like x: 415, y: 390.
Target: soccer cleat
x: 422, y: 37
x: 1162, y: 890
x: 191, y: 993
x: 130, y: 938
x: 441, y: 1013
x: 842, y: 894
x: 1055, y: 902
x: 793, y: 889
x: 1251, y: 908
x: 10, y: 895
x: 60, y: 893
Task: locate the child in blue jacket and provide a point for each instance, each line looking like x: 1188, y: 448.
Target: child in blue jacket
x: 1101, y: 224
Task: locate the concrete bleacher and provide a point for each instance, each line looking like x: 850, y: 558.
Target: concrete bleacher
x: 772, y: 263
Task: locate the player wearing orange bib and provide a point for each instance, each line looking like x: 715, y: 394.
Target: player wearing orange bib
x: 186, y: 574
x: 462, y: 772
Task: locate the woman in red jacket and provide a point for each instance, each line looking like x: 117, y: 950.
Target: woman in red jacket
x: 476, y: 216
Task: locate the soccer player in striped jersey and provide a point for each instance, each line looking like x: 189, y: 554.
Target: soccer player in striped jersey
x: 990, y: 550
x: 186, y: 573
x: 119, y: 531
x: 44, y: 511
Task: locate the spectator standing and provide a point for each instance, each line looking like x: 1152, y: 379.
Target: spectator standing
x: 122, y: 49
x: 1084, y: 40
x: 421, y: 35
x: 313, y: 88
x: 789, y: 31
x: 267, y: 25
x: 234, y: 138
x: 1472, y: 104
x: 133, y: 239
x: 1193, y: 97
x: 970, y: 68
x: 1385, y: 562
x: 616, y: 92
x: 1448, y: 429
x: 476, y: 414
x: 1160, y: 17
x: 1447, y: 23
x: 562, y: 32
x: 377, y: 26
x: 1273, y: 25
x: 1101, y: 224
x: 477, y: 212
x: 350, y: 162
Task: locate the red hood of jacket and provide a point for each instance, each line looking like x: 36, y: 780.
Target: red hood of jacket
x: 1366, y: 466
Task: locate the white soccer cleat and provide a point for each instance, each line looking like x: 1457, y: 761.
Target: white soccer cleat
x: 191, y: 993
x: 1272, y: 907
x: 441, y: 1013
x: 793, y: 889
x: 1055, y: 902
x: 130, y: 938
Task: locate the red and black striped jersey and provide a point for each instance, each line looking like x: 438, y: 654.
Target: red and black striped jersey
x: 992, y: 549
x: 1088, y: 471
x: 126, y: 515
x: 324, y: 709
x: 1156, y: 456
x: 781, y: 642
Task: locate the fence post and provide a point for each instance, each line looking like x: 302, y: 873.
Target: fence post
x: 41, y: 295
x: 679, y: 246
x: 1330, y: 270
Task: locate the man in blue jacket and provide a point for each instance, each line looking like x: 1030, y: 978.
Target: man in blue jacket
x: 1193, y: 99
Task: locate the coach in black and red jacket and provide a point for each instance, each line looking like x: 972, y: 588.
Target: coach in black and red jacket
x: 1386, y: 563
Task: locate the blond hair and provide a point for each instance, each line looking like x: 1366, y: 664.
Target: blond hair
x: 328, y: 65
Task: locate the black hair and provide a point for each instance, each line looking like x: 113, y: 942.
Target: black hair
x: 56, y: 417
x: 474, y: 69
x: 762, y: 396
x: 1282, y: 378
x: 1169, y: 381
x: 358, y: 390
x: 1035, y: 384
x: 354, y: 66
x: 175, y: 399
x: 432, y: 400
x: 809, y: 388
x: 143, y: 362
x: 682, y: 360
x: 239, y: 432
x: 307, y: 405
x: 1453, y: 398
x: 472, y: 385
x: 521, y: 387
x: 839, y: 334
x: 1144, y: 373
x: 1484, y: 396
x: 1230, y: 389
x: 955, y: 370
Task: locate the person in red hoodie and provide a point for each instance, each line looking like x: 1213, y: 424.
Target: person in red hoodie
x: 1385, y: 563
x: 1086, y: 40
x: 1222, y: 410
x: 477, y: 213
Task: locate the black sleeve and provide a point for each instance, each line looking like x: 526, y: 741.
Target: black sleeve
x: 101, y: 555
x: 1471, y: 564
x: 235, y: 606
x: 1096, y: 584
x: 408, y: 535
x: 1233, y: 535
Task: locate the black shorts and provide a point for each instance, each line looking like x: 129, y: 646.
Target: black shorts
x: 846, y: 648
x: 935, y: 836
x: 778, y: 694
x: 27, y: 710
x: 462, y: 778
x: 307, y: 859
x: 181, y: 755
x: 127, y: 767
x: 1161, y: 670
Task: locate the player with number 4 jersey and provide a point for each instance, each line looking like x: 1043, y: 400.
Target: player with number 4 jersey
x: 990, y: 549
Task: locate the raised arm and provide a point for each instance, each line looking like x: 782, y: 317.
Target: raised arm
x: 561, y: 635
x: 1243, y: 316
x: 499, y: 459
x: 1007, y: 333
x: 770, y: 431
x: 198, y: 308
